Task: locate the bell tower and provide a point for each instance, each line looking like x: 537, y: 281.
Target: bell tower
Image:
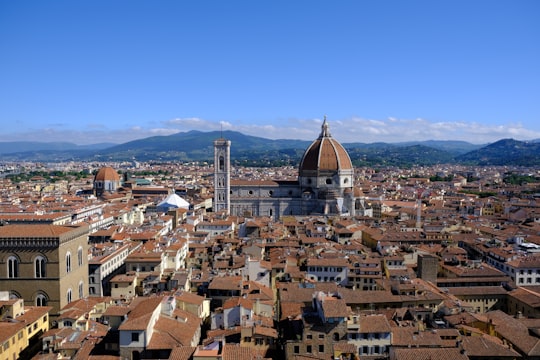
x: 222, y: 175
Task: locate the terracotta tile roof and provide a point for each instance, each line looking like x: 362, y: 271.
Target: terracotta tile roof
x: 182, y: 353
x: 34, y: 230
x: 116, y: 311
x: 303, y: 293
x: 189, y: 298
x: 169, y: 333
x: 211, y: 334
x: 374, y: 324
x: 138, y: 318
x: 9, y: 329
x: 236, y: 352
x: 344, y: 347
x: 124, y: 278
x: 514, y: 331
x: 291, y: 310
x: 226, y: 283
x: 33, y: 313
x: 526, y: 296
x: 335, y: 308
x: 265, y: 331
x: 480, y: 346
x: 430, y: 354
x: 405, y: 336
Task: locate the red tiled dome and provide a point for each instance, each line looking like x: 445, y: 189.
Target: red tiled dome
x: 325, y: 154
x: 107, y: 174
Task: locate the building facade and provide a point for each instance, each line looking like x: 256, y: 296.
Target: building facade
x: 325, y: 184
x: 46, y: 265
x: 222, y: 175
x: 106, y: 180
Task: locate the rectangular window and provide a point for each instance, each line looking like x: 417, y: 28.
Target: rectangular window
x: 296, y: 349
x: 321, y: 348
x: 134, y: 336
x: 308, y: 349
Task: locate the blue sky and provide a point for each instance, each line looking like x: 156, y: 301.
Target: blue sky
x: 114, y: 71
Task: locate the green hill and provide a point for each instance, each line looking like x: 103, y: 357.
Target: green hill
x: 258, y: 151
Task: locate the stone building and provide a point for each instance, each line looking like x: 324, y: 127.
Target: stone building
x: 325, y: 184
x: 106, y: 180
x: 46, y: 265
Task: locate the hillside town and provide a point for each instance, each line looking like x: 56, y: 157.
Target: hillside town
x: 137, y: 261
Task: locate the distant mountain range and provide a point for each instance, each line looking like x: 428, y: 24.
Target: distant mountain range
x: 258, y: 151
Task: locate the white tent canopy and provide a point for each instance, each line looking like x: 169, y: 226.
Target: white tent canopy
x: 174, y: 201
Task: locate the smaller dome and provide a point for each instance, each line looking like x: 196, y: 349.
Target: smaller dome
x: 107, y: 174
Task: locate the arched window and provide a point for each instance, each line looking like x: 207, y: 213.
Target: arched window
x: 221, y: 163
x: 81, y: 290
x: 40, y: 267
x: 41, y: 300
x: 68, y: 262
x: 69, y: 296
x: 80, y: 256
x: 13, y: 267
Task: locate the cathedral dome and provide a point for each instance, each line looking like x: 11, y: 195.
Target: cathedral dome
x: 325, y: 154
x: 107, y: 174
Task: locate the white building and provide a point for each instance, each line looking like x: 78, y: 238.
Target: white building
x: 371, y: 334
x: 258, y: 271
x: 328, y: 270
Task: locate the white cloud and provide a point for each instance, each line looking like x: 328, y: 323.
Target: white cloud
x: 186, y: 124
x: 354, y: 129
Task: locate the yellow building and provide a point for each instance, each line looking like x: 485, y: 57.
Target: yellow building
x: 21, y: 326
